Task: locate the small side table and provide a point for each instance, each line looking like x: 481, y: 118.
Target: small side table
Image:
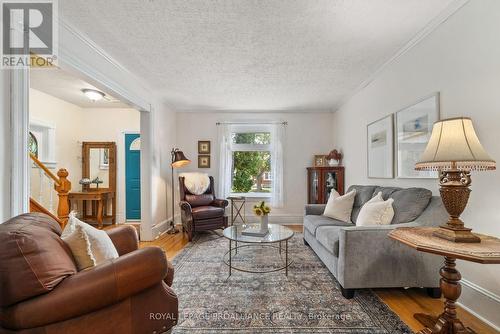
x: 423, y: 240
x: 237, y: 207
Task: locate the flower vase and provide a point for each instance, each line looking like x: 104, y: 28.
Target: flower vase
x: 264, y: 222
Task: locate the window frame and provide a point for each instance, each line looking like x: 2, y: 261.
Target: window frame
x: 251, y: 128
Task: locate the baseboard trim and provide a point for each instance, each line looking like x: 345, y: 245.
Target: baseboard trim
x: 484, y: 295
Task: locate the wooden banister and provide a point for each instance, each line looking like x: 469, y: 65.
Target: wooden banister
x: 62, y: 185
x: 44, y: 168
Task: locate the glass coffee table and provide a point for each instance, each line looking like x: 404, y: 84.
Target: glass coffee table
x: 275, y: 238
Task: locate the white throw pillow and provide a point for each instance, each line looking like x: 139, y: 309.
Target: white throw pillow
x: 376, y: 212
x: 196, y: 183
x: 79, y: 244
x: 340, y: 207
x: 101, y: 246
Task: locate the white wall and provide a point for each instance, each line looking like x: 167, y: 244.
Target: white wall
x: 307, y: 134
x: 461, y: 60
x: 75, y: 125
x: 5, y: 145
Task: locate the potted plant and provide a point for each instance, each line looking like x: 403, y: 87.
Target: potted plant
x: 262, y: 210
x: 334, y: 158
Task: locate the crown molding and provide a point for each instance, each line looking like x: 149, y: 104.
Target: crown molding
x: 69, y: 55
x: 435, y: 23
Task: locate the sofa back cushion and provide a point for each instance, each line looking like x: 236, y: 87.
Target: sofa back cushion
x: 363, y: 195
x: 408, y: 203
x: 33, y: 258
x: 199, y: 200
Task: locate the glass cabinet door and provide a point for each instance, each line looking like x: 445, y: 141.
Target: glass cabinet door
x: 314, y: 184
x: 329, y: 183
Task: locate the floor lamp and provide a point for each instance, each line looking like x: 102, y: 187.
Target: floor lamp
x: 178, y: 160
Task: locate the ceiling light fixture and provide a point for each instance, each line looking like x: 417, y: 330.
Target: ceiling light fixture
x: 93, y: 95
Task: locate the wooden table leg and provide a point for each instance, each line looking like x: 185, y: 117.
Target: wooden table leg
x: 447, y: 322
x: 99, y: 213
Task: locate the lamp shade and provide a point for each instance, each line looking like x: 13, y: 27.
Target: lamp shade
x: 179, y: 159
x: 454, y: 145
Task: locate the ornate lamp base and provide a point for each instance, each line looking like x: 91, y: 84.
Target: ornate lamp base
x: 455, y: 195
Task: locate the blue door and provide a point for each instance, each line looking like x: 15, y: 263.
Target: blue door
x: 133, y: 176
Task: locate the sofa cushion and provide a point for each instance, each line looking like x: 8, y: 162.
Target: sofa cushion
x: 33, y: 258
x: 408, y: 203
x: 340, y: 207
x: 207, y: 212
x: 199, y: 200
x: 363, y: 194
x: 312, y: 222
x: 328, y: 237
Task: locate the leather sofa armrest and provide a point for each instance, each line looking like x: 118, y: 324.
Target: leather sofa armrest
x: 124, y: 238
x: 91, y: 289
x: 169, y: 278
x: 314, y: 209
x: 185, y: 206
x: 221, y: 203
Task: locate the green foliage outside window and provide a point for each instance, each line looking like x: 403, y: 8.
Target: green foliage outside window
x: 249, y: 167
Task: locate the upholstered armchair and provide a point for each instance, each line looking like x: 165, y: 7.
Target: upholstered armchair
x: 41, y: 290
x: 201, y: 212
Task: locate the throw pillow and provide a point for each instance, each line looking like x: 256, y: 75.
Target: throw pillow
x: 79, y: 244
x: 101, y: 246
x: 340, y: 207
x: 376, y: 212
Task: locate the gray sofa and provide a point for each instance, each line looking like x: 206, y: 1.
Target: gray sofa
x: 364, y: 256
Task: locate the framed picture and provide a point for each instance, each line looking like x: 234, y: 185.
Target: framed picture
x: 204, y: 147
x: 319, y: 160
x: 380, y: 148
x: 203, y: 161
x: 413, y: 130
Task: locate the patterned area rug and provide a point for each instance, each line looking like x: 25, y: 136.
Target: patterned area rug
x: 307, y: 301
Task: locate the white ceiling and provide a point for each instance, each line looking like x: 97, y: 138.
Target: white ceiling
x: 68, y: 87
x: 254, y: 54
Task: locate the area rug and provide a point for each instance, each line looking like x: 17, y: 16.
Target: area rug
x: 307, y: 301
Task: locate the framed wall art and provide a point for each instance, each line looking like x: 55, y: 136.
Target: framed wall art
x: 204, y: 147
x: 380, y: 148
x: 413, y: 130
x: 319, y: 160
x: 203, y: 161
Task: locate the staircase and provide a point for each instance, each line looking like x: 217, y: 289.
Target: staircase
x: 42, y: 198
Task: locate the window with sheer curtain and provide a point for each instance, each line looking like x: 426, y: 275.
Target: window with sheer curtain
x: 251, y: 161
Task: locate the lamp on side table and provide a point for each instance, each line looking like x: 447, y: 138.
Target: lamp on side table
x: 455, y: 150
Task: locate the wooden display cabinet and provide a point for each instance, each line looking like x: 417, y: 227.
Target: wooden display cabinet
x: 321, y: 181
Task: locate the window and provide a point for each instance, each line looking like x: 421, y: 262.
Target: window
x: 251, y: 162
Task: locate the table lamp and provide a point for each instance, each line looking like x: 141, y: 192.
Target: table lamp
x: 178, y: 160
x: 454, y: 150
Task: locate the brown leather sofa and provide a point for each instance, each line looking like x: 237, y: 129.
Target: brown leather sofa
x: 201, y: 212
x: 42, y: 292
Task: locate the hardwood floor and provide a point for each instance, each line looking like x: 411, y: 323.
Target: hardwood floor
x: 404, y: 302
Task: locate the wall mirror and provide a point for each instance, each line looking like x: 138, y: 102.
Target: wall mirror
x: 99, y: 165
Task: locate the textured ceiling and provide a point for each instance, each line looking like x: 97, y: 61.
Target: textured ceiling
x: 68, y: 87
x: 255, y: 54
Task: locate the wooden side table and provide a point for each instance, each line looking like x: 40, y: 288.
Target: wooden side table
x: 237, y: 206
x: 101, y: 197
x: 422, y: 239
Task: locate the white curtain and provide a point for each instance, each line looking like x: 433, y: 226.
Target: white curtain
x: 277, y: 162
x: 225, y: 160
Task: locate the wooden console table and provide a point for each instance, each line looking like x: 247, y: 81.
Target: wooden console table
x: 101, y: 197
x: 422, y: 239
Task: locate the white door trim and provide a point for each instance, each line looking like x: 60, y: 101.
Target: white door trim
x: 19, y: 126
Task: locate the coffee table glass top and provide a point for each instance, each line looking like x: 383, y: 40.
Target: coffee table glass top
x: 276, y: 233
